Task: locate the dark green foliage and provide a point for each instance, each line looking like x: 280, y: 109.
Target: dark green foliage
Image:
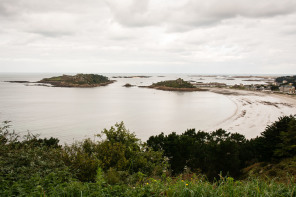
x: 179, y: 83
x: 89, y: 78
x: 287, y: 146
x: 278, y: 139
x: 36, y: 165
x: 208, y: 152
x: 289, y: 79
x: 29, y: 163
x: 119, y: 164
x: 274, y: 88
x: 81, y: 160
x: 128, y: 85
x: 119, y: 152
x: 224, y: 152
x: 79, y: 80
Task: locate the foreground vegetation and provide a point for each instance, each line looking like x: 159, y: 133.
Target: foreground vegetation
x: 79, y: 80
x: 119, y: 164
x: 152, y: 187
x: 220, y: 150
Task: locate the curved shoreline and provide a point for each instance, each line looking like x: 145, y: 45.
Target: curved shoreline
x: 230, y: 117
x: 255, y: 110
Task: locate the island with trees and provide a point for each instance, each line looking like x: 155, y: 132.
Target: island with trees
x: 79, y: 80
x: 174, y: 85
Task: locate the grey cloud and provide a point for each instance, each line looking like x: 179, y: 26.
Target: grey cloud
x: 229, y: 8
x: 150, y: 34
x: 121, y: 38
x: 3, y: 10
x: 291, y: 32
x: 53, y: 33
x: 196, y: 13
x: 207, y: 13
x: 288, y: 27
x: 8, y: 9
x: 135, y: 13
x: 50, y: 24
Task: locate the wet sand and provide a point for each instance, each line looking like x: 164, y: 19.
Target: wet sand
x: 255, y: 110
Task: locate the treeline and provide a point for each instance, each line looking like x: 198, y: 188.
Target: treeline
x: 31, y: 165
x: 223, y: 152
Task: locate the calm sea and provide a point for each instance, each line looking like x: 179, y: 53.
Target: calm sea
x: 75, y: 113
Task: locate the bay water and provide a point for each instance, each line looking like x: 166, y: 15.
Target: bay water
x: 76, y: 113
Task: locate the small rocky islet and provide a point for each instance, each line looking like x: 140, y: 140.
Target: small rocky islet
x: 79, y: 80
x: 128, y: 85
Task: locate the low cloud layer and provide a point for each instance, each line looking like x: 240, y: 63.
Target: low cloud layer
x: 214, y: 36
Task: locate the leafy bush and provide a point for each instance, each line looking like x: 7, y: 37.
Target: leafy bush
x: 29, y: 163
x: 118, y: 152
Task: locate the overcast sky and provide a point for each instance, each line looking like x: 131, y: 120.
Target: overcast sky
x: 155, y: 36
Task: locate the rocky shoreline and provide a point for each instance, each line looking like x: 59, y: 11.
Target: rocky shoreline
x: 71, y: 85
x: 174, y: 89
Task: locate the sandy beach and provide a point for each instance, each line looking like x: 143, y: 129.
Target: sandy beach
x: 255, y: 110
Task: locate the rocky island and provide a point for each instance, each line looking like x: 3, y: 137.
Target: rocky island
x: 174, y: 85
x: 128, y: 85
x: 79, y: 80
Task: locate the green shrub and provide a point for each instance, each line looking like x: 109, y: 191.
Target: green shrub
x: 117, y: 152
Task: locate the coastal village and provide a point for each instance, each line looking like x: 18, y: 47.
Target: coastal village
x: 282, y: 85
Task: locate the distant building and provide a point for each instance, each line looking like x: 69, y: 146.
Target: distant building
x: 250, y: 87
x: 289, y: 89
x: 293, y: 90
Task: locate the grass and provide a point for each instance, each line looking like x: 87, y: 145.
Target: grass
x: 196, y: 186
x: 281, y: 171
x: 55, y: 78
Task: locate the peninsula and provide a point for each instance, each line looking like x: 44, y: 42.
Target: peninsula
x: 174, y: 85
x: 79, y: 80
